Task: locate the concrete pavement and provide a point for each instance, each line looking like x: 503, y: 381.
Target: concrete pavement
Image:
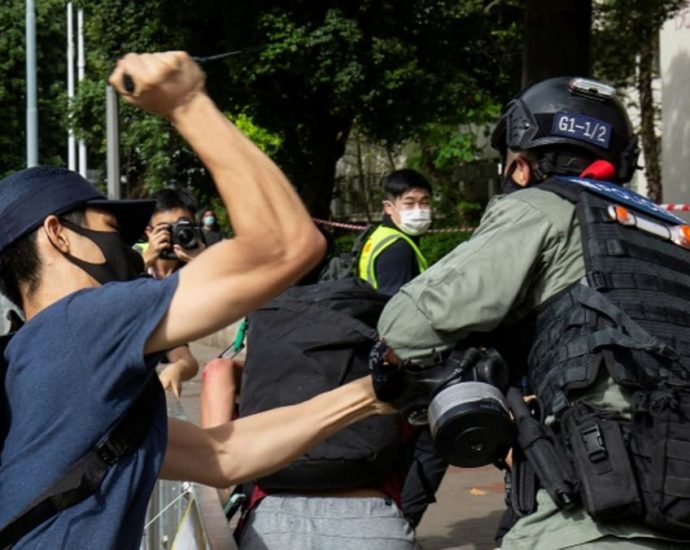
x: 469, y: 502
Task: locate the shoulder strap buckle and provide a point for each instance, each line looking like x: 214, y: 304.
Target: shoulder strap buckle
x: 107, y: 453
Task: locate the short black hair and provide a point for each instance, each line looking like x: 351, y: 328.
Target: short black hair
x: 20, y: 264
x: 401, y: 181
x: 170, y: 198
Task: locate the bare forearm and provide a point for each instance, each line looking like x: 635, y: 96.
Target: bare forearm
x: 254, y: 446
x: 266, y: 442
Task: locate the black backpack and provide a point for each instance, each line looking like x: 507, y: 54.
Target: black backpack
x: 345, y: 264
x: 308, y: 340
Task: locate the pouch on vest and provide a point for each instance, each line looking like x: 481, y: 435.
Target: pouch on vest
x: 607, y: 483
x: 308, y: 340
x: 660, y: 449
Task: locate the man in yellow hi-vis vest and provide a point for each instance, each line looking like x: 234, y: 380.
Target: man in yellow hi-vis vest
x: 391, y: 256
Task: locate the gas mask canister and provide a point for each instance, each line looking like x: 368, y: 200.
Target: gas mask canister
x: 462, y: 399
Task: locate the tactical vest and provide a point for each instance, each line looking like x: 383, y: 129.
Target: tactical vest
x: 380, y: 240
x: 630, y: 314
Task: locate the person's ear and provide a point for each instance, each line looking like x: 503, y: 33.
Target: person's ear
x: 56, y: 233
x: 522, y: 173
x: 388, y: 207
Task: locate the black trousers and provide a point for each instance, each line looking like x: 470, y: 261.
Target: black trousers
x: 423, y: 478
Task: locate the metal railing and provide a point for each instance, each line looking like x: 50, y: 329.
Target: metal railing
x: 184, y: 515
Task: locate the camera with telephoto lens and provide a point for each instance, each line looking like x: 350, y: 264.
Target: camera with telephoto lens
x: 462, y: 398
x: 184, y: 233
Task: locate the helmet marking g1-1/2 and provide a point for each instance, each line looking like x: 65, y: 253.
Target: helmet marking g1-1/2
x: 570, y: 113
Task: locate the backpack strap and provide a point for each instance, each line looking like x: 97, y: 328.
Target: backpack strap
x: 84, y: 477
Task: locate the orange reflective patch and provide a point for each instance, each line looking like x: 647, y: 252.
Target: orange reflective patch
x: 622, y: 214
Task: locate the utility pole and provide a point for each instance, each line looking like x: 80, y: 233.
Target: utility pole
x: 112, y: 125
x: 80, y: 75
x: 71, y: 144
x: 31, y: 95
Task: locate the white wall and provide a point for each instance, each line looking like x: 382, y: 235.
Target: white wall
x: 675, y: 73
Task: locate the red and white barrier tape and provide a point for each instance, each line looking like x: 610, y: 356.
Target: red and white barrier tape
x: 358, y: 227
x: 340, y: 225
x: 676, y: 207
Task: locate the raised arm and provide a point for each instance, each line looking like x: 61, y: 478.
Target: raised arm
x: 254, y: 446
x: 276, y: 241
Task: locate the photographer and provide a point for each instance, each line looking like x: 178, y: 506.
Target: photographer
x: 94, y: 331
x: 163, y: 255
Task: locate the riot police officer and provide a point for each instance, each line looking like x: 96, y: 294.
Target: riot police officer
x: 584, y: 287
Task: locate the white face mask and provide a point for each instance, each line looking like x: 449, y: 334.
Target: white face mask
x: 415, y: 221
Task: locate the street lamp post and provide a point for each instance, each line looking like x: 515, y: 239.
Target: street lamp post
x: 31, y: 101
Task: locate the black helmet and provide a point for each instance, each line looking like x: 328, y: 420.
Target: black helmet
x: 578, y: 113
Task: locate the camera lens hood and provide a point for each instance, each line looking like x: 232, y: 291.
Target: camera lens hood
x: 470, y: 424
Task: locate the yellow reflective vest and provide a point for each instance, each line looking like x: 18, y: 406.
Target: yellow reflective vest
x: 383, y: 237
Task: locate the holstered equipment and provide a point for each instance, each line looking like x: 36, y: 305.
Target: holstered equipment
x: 629, y: 315
x: 541, y: 456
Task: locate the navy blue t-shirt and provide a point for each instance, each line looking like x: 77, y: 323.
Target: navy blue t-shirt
x: 73, y: 370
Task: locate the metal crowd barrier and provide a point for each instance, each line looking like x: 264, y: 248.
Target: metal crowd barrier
x: 184, y: 515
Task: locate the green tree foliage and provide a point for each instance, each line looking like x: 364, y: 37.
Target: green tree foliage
x: 626, y: 42
x: 312, y: 69
x: 306, y: 72
x: 50, y: 31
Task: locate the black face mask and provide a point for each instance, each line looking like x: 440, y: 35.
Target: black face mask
x: 122, y: 263
x: 508, y: 184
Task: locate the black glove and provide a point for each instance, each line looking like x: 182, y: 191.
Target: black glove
x: 411, y: 386
x: 387, y: 378
x: 408, y: 386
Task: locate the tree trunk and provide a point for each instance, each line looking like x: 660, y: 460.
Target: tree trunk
x: 361, y: 178
x: 312, y: 170
x: 557, y: 38
x: 650, y: 140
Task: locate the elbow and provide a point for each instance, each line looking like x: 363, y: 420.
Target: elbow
x: 317, y: 246
x: 307, y: 250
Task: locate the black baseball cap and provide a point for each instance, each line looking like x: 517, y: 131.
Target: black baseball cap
x: 31, y: 195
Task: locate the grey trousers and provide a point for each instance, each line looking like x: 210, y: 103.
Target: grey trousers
x: 292, y: 522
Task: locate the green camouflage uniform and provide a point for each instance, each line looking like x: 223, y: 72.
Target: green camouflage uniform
x: 526, y: 249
